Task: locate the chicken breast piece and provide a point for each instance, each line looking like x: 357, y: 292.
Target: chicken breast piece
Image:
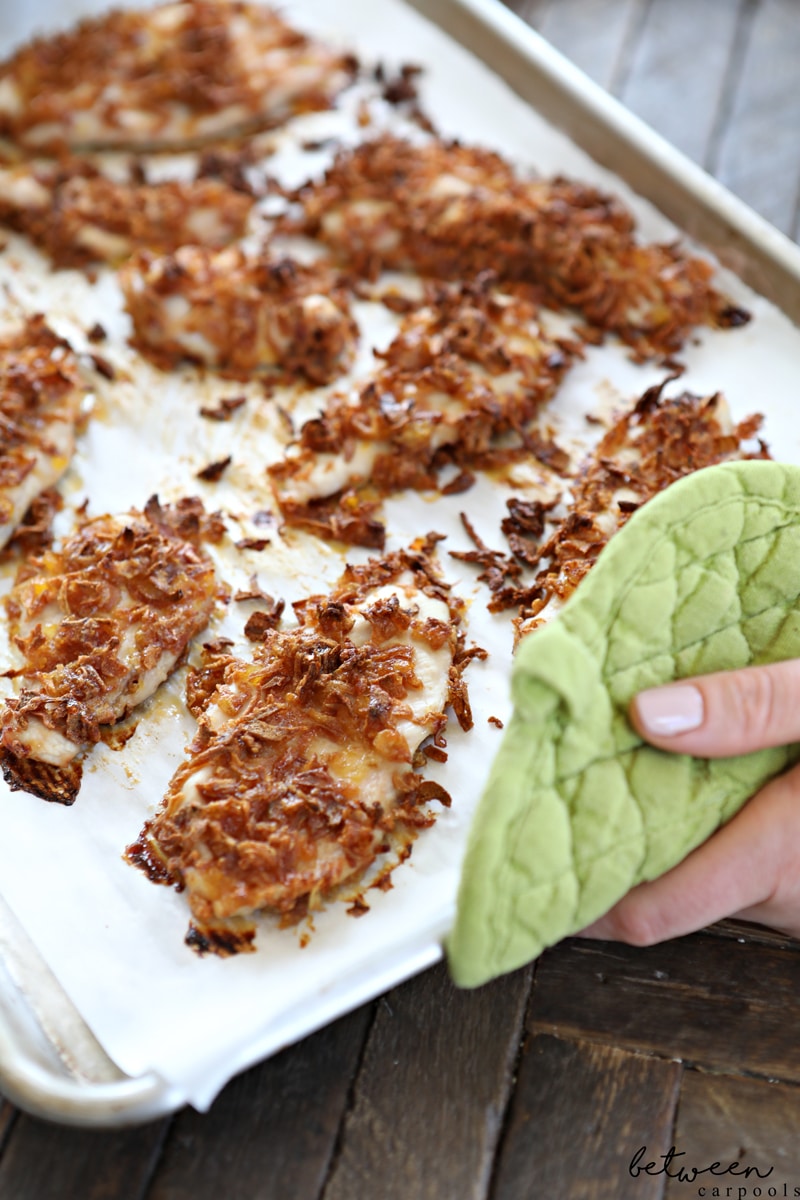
x: 166, y: 77
x: 659, y: 440
x: 239, y: 313
x: 78, y: 216
x: 451, y: 211
x: 41, y: 397
x: 303, y: 766
x: 467, y: 370
x: 100, y: 624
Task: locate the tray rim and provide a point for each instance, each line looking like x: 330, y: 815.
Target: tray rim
x: 702, y: 207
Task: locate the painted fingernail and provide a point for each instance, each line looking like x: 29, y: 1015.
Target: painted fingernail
x: 670, y: 710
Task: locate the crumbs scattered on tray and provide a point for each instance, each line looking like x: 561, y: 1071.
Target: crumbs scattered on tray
x: 215, y: 470
x: 224, y: 409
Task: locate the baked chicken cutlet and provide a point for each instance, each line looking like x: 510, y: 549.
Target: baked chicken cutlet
x: 451, y: 211
x: 78, y: 216
x: 659, y: 441
x: 166, y: 77
x: 239, y: 313
x: 303, y: 768
x: 41, y: 409
x: 100, y: 624
x: 461, y: 385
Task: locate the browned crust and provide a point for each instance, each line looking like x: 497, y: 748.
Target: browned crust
x: 72, y: 670
x: 39, y: 374
x: 119, y: 65
x: 135, y: 215
x: 661, y: 439
x: 574, y: 241
x: 281, y: 830
x: 251, y: 311
x: 462, y: 344
x: 58, y: 785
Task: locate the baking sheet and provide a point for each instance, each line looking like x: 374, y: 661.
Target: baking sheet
x: 113, y: 940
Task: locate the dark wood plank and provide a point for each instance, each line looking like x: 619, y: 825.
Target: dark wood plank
x: 272, y: 1131
x: 677, y: 72
x: 732, y: 1120
x: 579, y: 1114
x: 710, y: 1000
x: 53, y: 1162
x: 432, y: 1090
x: 8, y: 1115
x: 759, y: 150
x: 594, y: 34
x: 745, y: 931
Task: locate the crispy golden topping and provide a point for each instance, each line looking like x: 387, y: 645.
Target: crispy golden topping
x: 302, y: 769
x: 452, y: 211
x: 461, y: 384
x: 41, y: 392
x: 239, y: 313
x: 170, y: 76
x: 100, y: 624
x: 659, y: 441
x: 78, y: 216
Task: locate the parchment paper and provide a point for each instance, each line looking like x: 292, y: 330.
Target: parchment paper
x: 113, y: 939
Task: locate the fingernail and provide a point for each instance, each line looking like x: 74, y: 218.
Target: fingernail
x: 670, y: 710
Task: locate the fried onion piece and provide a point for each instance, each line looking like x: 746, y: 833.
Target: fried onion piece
x: 461, y: 384
x: 175, y: 75
x: 451, y: 211
x: 239, y: 313
x: 100, y: 624
x: 78, y: 216
x: 302, y: 769
x: 41, y: 396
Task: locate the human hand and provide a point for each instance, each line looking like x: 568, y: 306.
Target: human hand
x: 750, y: 868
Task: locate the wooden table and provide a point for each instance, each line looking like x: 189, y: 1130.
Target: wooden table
x: 544, y: 1084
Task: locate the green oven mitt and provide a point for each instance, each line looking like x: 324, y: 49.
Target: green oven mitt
x: 577, y: 809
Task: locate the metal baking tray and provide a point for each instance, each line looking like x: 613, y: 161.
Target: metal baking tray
x: 50, y: 1062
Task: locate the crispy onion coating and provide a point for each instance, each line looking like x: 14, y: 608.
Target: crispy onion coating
x: 78, y: 216
x: 303, y: 766
x: 658, y: 441
x: 99, y: 625
x: 41, y: 393
x: 451, y: 211
x: 174, y: 75
x: 239, y: 313
x: 461, y: 384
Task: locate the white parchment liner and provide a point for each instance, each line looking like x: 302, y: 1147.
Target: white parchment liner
x: 113, y: 939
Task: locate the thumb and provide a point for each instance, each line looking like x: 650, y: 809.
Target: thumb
x: 730, y: 712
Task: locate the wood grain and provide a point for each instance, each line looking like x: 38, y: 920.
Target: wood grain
x: 759, y: 151
x: 678, y: 68
x: 53, y: 1162
x: 745, y: 932
x: 733, y: 1120
x: 432, y: 1090
x: 594, y: 34
x: 710, y: 1000
x: 272, y: 1132
x: 579, y: 1114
